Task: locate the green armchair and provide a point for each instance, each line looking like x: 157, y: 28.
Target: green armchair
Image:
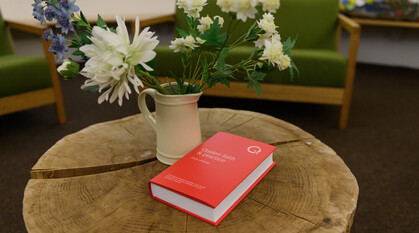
x: 25, y: 81
x: 326, y: 76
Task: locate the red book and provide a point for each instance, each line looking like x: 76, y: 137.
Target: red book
x: 214, y: 177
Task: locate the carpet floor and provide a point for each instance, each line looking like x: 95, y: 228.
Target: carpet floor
x: 380, y: 145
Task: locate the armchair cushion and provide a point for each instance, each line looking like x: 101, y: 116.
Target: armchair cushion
x: 327, y: 66
x: 5, y: 43
x: 314, y: 22
x: 19, y: 74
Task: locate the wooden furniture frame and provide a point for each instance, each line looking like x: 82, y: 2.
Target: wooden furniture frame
x: 37, y: 98
x: 386, y: 23
x: 307, y: 94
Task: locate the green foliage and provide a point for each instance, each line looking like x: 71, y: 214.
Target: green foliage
x: 182, y: 33
x: 71, y: 70
x: 212, y: 36
x: 101, y: 23
x: 254, y: 79
x: 287, y: 46
x: 252, y: 34
x: 221, y: 59
x: 81, y: 23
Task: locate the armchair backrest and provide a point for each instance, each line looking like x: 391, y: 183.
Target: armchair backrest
x: 313, y: 21
x: 5, y: 43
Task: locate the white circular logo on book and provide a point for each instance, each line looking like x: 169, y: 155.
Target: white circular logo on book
x: 254, y: 149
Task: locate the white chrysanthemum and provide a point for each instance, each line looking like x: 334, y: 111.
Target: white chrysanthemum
x: 284, y: 62
x: 267, y: 24
x: 178, y: 45
x: 200, y: 41
x: 220, y: 20
x: 113, y: 59
x: 205, y: 23
x: 245, y: 9
x: 184, y: 44
x: 270, y: 5
x: 192, y: 7
x: 261, y: 41
x: 273, y: 52
x: 226, y: 5
x: 181, y: 4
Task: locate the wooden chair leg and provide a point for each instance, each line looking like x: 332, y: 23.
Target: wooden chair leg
x: 59, y: 108
x: 59, y: 104
x: 344, y: 115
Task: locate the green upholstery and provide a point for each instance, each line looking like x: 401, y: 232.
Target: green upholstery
x: 313, y: 21
x: 19, y: 74
x: 327, y: 66
x: 5, y: 43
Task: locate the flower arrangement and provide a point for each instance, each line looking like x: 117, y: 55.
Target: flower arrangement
x: 115, y: 65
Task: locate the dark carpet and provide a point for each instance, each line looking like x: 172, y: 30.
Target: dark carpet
x: 380, y: 145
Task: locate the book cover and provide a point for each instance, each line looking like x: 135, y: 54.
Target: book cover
x: 211, y: 180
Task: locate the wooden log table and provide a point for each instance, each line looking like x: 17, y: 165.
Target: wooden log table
x: 95, y: 180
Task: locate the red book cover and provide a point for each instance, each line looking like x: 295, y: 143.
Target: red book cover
x: 214, y: 177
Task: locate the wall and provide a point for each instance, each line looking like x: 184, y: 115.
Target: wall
x: 387, y: 46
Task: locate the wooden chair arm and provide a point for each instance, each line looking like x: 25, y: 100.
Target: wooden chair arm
x: 30, y: 28
x: 153, y: 21
x: 350, y: 25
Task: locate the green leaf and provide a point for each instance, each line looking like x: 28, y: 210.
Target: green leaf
x: 83, y: 18
x: 81, y: 25
x: 75, y: 44
x: 288, y: 45
x: 254, y: 79
x: 182, y: 33
x: 292, y: 68
x: 212, y: 36
x: 85, y: 39
x: 112, y: 30
x: 252, y: 34
x: 205, y: 71
x: 259, y: 76
x: 93, y: 89
x: 78, y: 53
x: 192, y: 88
x: 221, y: 59
x: 101, y: 23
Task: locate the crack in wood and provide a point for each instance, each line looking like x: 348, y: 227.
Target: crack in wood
x: 236, y: 126
x: 186, y: 223
x: 129, y: 131
x: 225, y: 122
x: 104, y: 217
x: 290, y: 141
x: 282, y: 211
x: 151, y: 226
x: 74, y: 172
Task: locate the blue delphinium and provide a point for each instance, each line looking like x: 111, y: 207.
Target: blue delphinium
x: 64, y: 21
x: 58, y: 46
x: 50, y: 13
x: 48, y: 34
x: 38, y: 11
x: 69, y: 5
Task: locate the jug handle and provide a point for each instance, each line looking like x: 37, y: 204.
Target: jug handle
x: 143, y: 106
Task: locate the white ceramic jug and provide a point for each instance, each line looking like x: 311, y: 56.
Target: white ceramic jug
x: 176, y: 123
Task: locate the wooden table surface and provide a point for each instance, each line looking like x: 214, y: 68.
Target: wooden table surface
x: 95, y: 180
